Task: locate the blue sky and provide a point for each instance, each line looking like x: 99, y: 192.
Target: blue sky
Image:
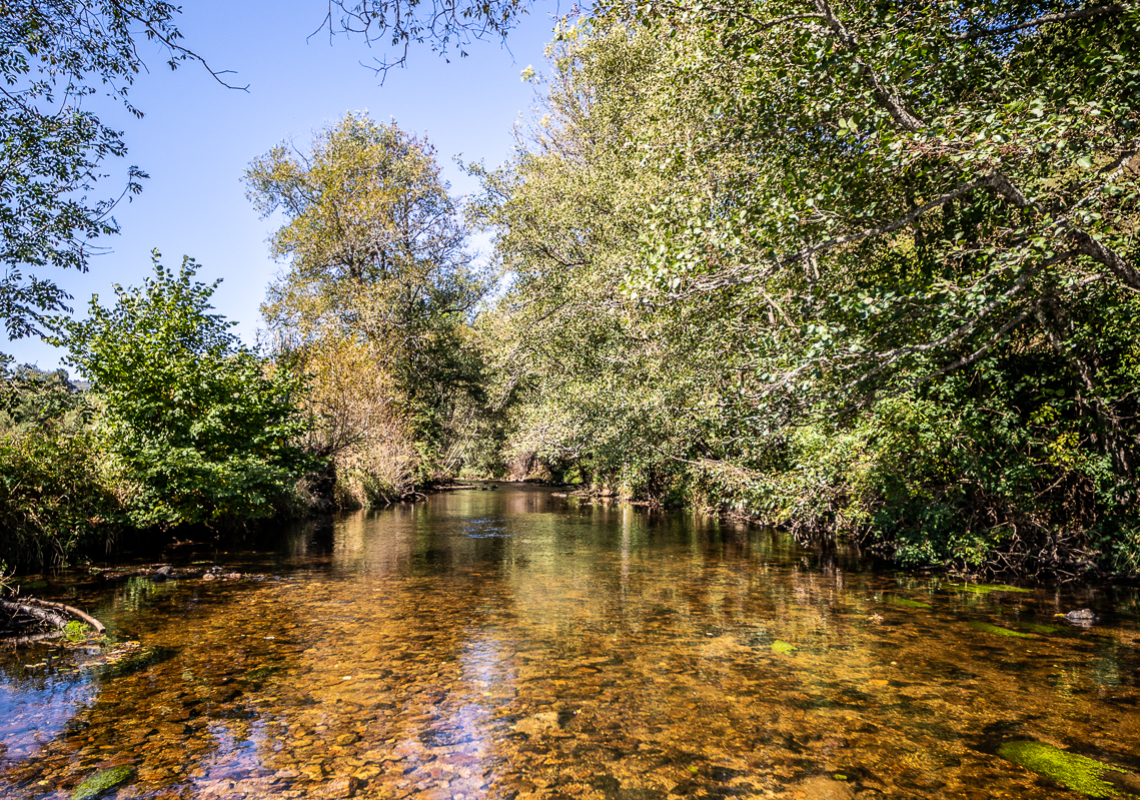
x: 197, y: 137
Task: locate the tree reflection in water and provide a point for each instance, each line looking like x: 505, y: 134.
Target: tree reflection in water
x: 489, y: 644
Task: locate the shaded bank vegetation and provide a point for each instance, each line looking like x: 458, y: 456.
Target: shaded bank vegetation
x: 864, y: 271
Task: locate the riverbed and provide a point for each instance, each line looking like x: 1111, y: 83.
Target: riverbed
x: 513, y: 643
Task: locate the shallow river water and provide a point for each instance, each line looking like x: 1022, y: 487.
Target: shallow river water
x: 513, y: 643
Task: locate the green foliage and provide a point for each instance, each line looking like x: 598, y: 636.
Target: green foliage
x: 379, y: 278
x: 76, y: 631
x: 56, y: 501
x: 856, y: 272
x: 199, y: 427
x: 54, y: 57
x: 31, y: 398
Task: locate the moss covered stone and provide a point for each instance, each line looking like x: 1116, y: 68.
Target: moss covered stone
x: 986, y: 588
x: 905, y: 603
x: 1075, y: 772
x: 102, y: 782
x: 783, y: 648
x: 1037, y: 627
x: 986, y: 627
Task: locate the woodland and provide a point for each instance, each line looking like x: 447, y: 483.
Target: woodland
x: 861, y: 270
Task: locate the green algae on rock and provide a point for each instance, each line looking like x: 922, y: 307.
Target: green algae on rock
x: 905, y: 603
x: 986, y: 627
x: 1037, y: 627
x: 1079, y: 773
x: 101, y: 782
x: 986, y: 588
x: 783, y: 648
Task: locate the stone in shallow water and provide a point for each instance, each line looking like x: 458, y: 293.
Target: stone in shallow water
x: 1081, y: 774
x: 996, y: 630
x: 823, y: 788
x: 101, y: 782
x: 904, y: 602
x: 539, y: 723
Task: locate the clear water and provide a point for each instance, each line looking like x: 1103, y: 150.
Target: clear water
x: 511, y: 643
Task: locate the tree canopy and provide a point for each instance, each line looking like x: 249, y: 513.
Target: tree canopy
x: 849, y: 267
x: 54, y: 57
x: 379, y: 270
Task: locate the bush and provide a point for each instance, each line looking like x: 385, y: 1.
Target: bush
x: 201, y: 428
x: 55, y: 501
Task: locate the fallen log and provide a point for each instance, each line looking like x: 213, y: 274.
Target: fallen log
x: 51, y: 613
x: 11, y: 641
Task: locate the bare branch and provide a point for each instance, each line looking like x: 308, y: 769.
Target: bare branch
x: 1098, y: 11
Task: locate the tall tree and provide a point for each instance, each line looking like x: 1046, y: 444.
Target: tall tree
x: 813, y: 255
x: 376, y: 255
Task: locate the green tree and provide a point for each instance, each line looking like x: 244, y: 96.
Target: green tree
x: 53, y: 56
x: 201, y: 428
x: 769, y: 287
x: 55, y: 501
x: 937, y: 209
x: 377, y: 254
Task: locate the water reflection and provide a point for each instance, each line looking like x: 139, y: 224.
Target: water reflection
x: 494, y: 644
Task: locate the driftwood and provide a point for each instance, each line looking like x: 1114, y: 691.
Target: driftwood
x: 9, y: 641
x: 55, y: 614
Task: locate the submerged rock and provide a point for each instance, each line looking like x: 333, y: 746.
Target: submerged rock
x: 101, y: 782
x: 821, y: 787
x: 1082, y: 616
x: 1079, y: 773
x: 904, y: 602
x: 987, y: 588
x: 997, y: 630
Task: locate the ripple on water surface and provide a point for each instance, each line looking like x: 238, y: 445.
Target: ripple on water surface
x: 515, y: 644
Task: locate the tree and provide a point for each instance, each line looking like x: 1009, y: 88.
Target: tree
x: 593, y: 381
x: 991, y: 149
x: 739, y: 266
x: 202, y: 429
x: 54, y: 501
x: 377, y: 257
x: 937, y: 208
x: 55, y: 55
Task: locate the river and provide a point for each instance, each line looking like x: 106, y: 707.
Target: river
x: 516, y: 644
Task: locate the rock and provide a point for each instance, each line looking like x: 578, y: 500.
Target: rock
x: 539, y: 723
x: 340, y: 787
x: 162, y: 573
x: 101, y: 782
x: 313, y: 772
x: 822, y: 787
x: 1083, y: 617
